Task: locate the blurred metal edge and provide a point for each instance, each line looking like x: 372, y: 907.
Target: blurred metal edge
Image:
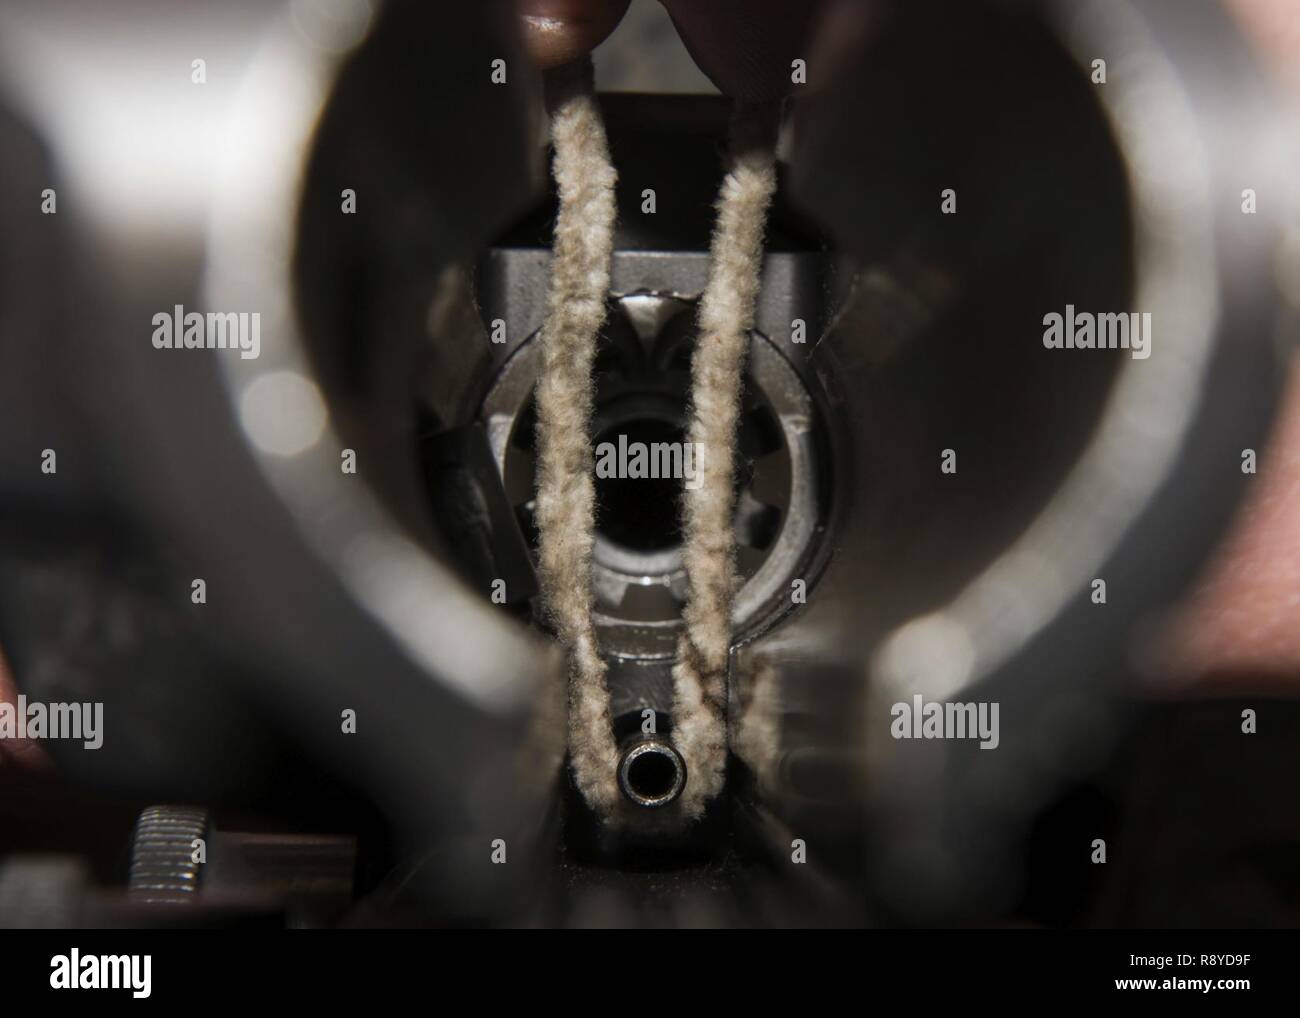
x: 945, y: 816
x: 459, y: 717
x: 503, y: 767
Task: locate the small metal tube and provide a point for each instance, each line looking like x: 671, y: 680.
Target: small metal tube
x: 651, y: 772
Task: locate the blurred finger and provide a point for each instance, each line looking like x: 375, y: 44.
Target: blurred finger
x: 746, y: 47
x: 558, y: 32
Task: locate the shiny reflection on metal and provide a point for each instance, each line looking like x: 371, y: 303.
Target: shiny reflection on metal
x: 282, y: 413
x: 168, y: 850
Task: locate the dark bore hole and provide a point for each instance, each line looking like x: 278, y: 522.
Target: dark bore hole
x: 652, y: 775
x: 641, y: 513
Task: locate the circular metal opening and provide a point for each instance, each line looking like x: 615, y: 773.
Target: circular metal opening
x: 642, y: 385
x: 652, y: 774
x: 640, y: 514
